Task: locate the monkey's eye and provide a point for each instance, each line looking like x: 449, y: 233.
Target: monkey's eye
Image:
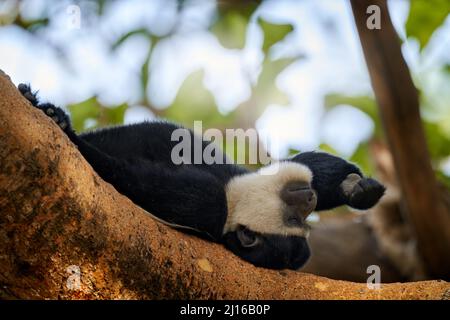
x: 247, y: 237
x: 294, y: 221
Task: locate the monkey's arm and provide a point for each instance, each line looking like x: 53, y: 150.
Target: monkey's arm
x: 338, y: 182
x: 184, y: 195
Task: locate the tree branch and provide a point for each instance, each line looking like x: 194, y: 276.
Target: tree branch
x: 399, y: 107
x: 55, y: 212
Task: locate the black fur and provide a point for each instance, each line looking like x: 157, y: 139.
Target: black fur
x: 274, y: 251
x: 329, y: 171
x: 136, y: 160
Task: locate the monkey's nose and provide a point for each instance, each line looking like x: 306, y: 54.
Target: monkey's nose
x: 307, y: 196
x: 300, y: 196
x: 308, y: 204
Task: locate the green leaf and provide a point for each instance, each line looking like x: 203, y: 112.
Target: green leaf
x: 230, y: 26
x: 230, y: 29
x: 362, y: 158
x: 194, y: 102
x: 444, y: 179
x: 266, y: 86
x: 438, y: 142
x: 34, y: 25
x: 266, y: 91
x: 293, y: 152
x: 446, y: 68
x: 425, y: 16
x: 83, y: 111
x: 273, y: 33
x: 101, y: 4
x: 128, y: 35
x: 114, y: 115
x: 91, y: 109
x: 327, y: 148
x: 145, y: 73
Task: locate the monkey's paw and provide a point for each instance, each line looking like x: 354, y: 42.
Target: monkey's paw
x: 362, y: 193
x: 25, y: 90
x: 57, y: 114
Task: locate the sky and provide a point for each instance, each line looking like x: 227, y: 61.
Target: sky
x: 333, y: 63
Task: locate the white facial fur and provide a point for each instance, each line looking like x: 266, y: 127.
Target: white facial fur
x: 254, y: 199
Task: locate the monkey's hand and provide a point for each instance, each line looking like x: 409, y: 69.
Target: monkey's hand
x: 360, y: 192
x: 57, y: 114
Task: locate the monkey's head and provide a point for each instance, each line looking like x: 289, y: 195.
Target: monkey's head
x: 266, y: 215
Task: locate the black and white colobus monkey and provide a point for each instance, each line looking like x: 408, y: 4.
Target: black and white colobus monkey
x: 260, y: 217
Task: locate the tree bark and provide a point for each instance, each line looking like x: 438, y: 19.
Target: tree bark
x: 56, y: 214
x: 399, y: 107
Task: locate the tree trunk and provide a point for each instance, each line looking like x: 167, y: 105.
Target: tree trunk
x: 60, y: 222
x: 399, y: 107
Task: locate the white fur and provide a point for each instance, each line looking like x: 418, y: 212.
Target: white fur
x: 254, y: 199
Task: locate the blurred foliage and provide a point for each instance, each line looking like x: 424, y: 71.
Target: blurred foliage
x: 363, y: 158
x: 13, y: 16
x: 327, y: 148
x: 92, y: 111
x: 266, y: 91
x: 126, y: 36
x: 442, y: 178
x: 230, y: 29
x: 438, y: 140
x: 144, y: 72
x: 273, y: 33
x: 194, y: 102
x: 366, y: 104
x: 425, y: 17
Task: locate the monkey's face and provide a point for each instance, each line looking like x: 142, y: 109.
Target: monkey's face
x: 266, y: 216
x: 268, y: 251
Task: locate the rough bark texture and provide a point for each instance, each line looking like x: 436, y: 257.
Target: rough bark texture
x: 56, y: 212
x: 399, y: 107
